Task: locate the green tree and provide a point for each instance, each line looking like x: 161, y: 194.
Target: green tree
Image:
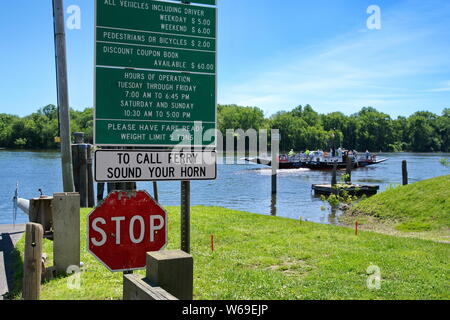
x: 423, y: 133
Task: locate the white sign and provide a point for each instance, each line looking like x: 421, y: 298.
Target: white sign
x: 143, y: 165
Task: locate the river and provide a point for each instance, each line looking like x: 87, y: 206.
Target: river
x: 239, y: 186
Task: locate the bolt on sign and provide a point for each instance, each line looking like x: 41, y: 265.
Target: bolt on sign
x: 155, y: 73
x: 124, y: 228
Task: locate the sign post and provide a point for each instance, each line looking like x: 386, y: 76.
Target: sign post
x: 155, y: 87
x: 186, y: 216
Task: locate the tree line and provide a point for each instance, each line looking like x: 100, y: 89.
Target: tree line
x: 38, y: 130
x: 301, y: 128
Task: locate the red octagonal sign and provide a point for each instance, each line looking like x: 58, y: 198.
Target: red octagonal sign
x: 124, y: 228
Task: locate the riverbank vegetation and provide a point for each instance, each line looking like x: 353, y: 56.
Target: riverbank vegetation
x: 264, y: 257
x: 301, y: 128
x: 421, y: 209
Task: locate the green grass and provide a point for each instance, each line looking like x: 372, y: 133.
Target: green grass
x: 263, y: 257
x: 420, y: 207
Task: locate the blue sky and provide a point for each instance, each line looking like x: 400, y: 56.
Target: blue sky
x: 272, y: 54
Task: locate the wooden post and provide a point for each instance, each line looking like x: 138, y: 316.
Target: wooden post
x: 173, y: 271
x: 82, y: 151
x: 170, y: 276
x: 66, y: 231
x: 334, y: 175
x: 405, y: 172
x: 100, y: 191
x: 275, y: 150
x: 111, y: 186
x: 349, y: 170
x: 32, y: 266
x: 186, y: 216
x: 40, y: 211
x: 90, y: 178
x: 76, y: 166
x: 63, y: 94
x: 273, y: 205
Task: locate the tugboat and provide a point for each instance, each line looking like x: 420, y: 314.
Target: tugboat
x: 320, y: 160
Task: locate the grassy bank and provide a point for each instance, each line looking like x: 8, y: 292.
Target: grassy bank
x: 262, y: 257
x: 421, y: 209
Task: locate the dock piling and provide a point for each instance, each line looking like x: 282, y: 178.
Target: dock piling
x: 405, y: 172
x: 334, y: 175
x: 349, y: 170
x: 82, y: 170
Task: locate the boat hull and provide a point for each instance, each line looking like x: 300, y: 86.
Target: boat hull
x: 315, y: 165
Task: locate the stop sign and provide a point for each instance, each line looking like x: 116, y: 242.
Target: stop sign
x: 124, y: 227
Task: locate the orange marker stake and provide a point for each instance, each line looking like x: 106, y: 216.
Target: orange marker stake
x: 212, y: 242
x: 356, y: 228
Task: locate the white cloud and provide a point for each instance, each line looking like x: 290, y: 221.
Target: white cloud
x: 385, y: 69
x: 444, y: 87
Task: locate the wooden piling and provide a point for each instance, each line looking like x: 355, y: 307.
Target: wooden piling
x: 100, y: 191
x: 82, y: 152
x: 275, y: 149
x: 405, y: 172
x: 349, y: 170
x: 90, y: 178
x: 32, y: 266
x: 111, y: 186
x: 76, y: 167
x: 334, y: 175
x: 40, y: 211
x: 273, y: 205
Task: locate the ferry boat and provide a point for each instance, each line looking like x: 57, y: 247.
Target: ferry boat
x: 320, y: 160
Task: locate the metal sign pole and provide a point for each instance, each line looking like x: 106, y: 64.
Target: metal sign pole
x: 186, y: 216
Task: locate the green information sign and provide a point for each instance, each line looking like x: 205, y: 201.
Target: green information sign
x: 132, y: 56
x: 155, y: 73
x: 155, y: 95
x: 108, y: 35
x: 157, y: 16
x: 210, y: 2
x: 143, y: 133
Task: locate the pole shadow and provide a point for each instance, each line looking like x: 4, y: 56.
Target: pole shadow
x: 13, y: 265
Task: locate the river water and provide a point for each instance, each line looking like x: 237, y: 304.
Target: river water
x: 243, y: 186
